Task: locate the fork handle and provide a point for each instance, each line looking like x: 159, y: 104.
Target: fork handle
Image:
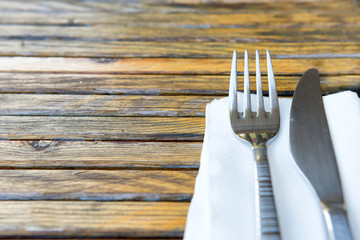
x: 266, y: 217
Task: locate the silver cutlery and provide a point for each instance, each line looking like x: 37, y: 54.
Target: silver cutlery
x: 313, y: 152
x: 257, y: 128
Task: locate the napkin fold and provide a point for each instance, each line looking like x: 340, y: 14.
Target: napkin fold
x: 223, y: 205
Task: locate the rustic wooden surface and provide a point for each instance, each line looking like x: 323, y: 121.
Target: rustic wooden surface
x: 103, y: 102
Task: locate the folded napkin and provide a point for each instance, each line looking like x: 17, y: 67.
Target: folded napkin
x: 223, y: 205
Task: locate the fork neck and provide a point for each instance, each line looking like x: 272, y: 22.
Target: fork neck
x: 257, y: 140
x: 260, y: 153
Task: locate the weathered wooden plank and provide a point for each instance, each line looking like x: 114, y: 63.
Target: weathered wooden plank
x: 102, y: 105
x: 58, y: 48
x: 161, y: 6
x: 172, y: 66
x: 152, y: 84
x: 92, y: 219
x: 101, y: 128
x: 166, y: 19
x: 183, y: 33
x: 45, y: 154
x: 97, y: 185
x: 232, y: 1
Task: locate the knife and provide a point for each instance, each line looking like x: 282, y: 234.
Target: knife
x: 312, y: 150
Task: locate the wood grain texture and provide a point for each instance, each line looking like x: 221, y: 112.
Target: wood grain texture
x: 172, y: 66
x: 151, y: 84
x: 234, y: 1
x: 99, y: 155
x: 115, y: 49
x: 103, y: 105
x: 92, y: 219
x: 93, y: 21
x: 183, y: 33
x: 103, y: 101
x: 102, y: 128
x: 99, y: 185
x: 161, y: 6
x: 171, y: 18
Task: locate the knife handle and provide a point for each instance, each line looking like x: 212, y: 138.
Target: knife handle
x: 336, y: 221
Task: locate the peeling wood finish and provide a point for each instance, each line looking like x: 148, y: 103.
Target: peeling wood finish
x: 102, y: 128
x: 92, y: 219
x: 149, y: 49
x: 177, y: 6
x: 190, y: 33
x: 171, y: 66
x: 184, y: 19
x: 103, y: 105
x: 97, y: 185
x: 151, y: 84
x: 44, y: 154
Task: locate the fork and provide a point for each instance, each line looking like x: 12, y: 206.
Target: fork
x: 257, y: 128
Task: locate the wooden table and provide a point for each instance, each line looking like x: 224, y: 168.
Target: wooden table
x: 103, y: 103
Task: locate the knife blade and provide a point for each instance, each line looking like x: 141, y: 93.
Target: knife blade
x: 312, y: 150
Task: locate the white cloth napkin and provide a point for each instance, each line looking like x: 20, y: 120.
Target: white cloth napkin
x: 223, y: 203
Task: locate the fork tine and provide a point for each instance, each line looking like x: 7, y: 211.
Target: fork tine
x: 259, y: 94
x: 247, y: 103
x: 272, y: 86
x: 233, y: 86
